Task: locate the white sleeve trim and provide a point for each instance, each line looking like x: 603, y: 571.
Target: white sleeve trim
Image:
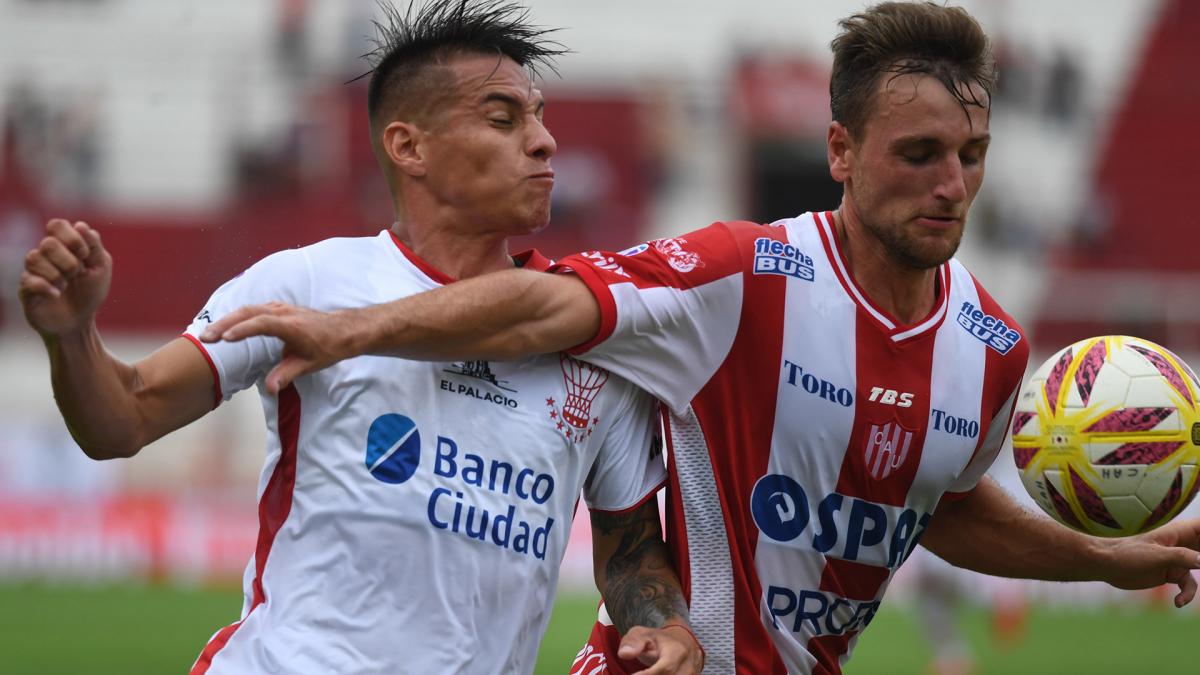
x: 670, y: 341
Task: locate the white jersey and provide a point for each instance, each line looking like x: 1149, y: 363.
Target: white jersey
x: 413, y: 515
x: 811, y: 434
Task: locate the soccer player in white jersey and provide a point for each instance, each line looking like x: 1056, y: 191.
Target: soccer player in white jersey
x: 837, y: 383
x: 413, y: 515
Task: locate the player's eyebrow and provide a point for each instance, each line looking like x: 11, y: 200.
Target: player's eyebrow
x: 512, y: 101
x: 933, y: 141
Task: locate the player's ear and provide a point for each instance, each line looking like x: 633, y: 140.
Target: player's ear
x: 840, y: 149
x: 402, y: 143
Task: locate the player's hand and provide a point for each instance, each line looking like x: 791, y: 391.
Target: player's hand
x: 1163, y: 556
x: 670, y: 649
x: 312, y: 340
x: 65, y: 279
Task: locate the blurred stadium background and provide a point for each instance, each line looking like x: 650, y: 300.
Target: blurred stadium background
x: 199, y: 136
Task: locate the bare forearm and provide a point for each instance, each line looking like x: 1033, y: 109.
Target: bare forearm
x: 644, y: 591
x: 639, y: 585
x: 988, y: 532
x: 500, y: 316
x: 113, y: 408
x: 92, y: 389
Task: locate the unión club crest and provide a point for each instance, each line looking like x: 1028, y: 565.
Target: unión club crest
x: 887, y: 448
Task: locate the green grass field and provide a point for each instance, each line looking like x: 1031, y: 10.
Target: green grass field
x: 129, y: 630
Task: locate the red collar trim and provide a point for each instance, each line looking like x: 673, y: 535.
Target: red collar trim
x: 429, y: 270
x: 530, y: 259
x: 884, y: 320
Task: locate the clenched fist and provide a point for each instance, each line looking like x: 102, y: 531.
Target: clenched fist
x: 65, y: 280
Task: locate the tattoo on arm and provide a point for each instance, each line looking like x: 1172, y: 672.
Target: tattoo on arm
x: 642, y: 588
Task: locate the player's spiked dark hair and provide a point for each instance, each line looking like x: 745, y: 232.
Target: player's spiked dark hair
x: 408, y: 42
x: 899, y: 38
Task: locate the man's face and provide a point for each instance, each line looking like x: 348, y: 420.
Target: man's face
x: 487, y: 153
x: 914, y: 168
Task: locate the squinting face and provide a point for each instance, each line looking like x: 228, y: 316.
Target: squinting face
x: 487, y: 155
x: 915, y: 167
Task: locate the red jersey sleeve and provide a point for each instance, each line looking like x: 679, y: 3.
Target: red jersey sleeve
x: 669, y: 310
x: 1000, y: 397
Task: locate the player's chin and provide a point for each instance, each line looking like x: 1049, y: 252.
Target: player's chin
x: 533, y: 221
x: 930, y: 252
x: 538, y: 213
x: 946, y: 235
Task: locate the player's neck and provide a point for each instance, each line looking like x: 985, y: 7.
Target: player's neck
x: 907, y: 293
x: 454, y: 253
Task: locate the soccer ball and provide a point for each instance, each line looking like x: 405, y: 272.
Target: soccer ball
x: 1106, y: 435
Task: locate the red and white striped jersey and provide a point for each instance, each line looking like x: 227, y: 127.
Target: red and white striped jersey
x: 413, y: 515
x: 811, y: 435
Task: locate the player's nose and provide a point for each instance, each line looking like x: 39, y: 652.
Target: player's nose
x: 952, y: 183
x: 541, y: 143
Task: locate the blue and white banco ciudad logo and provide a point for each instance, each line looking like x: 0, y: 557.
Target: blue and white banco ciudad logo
x: 490, y: 500
x: 393, y: 448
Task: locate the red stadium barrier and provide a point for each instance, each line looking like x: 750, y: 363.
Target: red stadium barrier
x: 125, y: 538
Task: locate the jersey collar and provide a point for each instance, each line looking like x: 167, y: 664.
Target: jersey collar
x: 530, y: 259
x: 888, y: 323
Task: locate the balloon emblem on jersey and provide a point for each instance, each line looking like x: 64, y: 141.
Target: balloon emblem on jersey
x: 393, y: 448
x: 1106, y: 435
x: 583, y: 382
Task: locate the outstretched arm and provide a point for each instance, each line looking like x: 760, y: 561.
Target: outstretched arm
x: 111, y: 408
x: 642, y: 592
x: 504, y: 315
x: 988, y: 532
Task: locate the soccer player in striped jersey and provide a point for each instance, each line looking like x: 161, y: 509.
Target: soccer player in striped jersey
x: 413, y: 515
x: 837, y: 384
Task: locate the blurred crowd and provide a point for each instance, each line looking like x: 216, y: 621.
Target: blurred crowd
x: 644, y: 151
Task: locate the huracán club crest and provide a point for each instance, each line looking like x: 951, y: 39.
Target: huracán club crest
x: 582, y: 382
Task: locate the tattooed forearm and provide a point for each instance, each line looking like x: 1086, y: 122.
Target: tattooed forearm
x: 640, y: 591
x: 640, y: 588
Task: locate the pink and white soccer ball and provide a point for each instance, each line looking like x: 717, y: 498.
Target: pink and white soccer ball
x: 1106, y: 435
